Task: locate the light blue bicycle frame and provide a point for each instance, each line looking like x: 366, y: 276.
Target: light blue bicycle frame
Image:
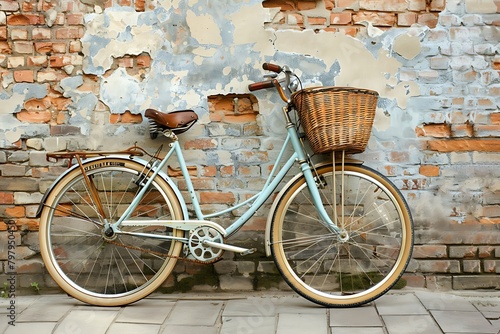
x: 272, y: 182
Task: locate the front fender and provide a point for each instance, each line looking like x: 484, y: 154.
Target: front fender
x: 135, y: 159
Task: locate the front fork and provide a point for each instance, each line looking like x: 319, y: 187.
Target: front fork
x: 312, y: 179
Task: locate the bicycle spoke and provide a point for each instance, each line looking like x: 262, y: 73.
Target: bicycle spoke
x: 341, y: 270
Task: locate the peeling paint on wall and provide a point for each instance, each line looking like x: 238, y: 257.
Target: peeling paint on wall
x: 196, y: 51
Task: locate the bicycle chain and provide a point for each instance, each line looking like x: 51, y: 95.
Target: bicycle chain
x: 165, y: 255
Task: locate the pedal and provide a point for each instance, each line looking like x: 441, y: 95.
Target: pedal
x: 249, y: 251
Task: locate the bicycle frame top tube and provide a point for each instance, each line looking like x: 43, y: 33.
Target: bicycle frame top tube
x: 272, y: 182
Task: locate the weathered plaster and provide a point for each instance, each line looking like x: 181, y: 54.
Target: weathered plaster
x: 192, y: 57
x: 201, y: 48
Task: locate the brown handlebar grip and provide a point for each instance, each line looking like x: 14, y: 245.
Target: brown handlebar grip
x: 272, y: 67
x: 261, y: 85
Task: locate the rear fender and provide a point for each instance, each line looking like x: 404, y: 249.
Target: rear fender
x: 135, y: 159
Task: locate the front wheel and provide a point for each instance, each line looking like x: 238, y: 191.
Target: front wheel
x: 363, y: 263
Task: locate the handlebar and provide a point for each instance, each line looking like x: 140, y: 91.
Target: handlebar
x: 272, y: 67
x: 276, y: 83
x: 261, y: 85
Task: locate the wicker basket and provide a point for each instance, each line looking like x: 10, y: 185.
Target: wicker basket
x: 336, y: 118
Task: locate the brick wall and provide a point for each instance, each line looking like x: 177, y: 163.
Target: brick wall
x: 446, y: 163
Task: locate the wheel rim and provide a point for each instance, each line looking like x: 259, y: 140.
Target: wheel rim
x: 87, y: 263
x: 322, y: 267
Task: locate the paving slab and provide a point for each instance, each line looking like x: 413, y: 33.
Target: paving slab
x: 31, y: 327
x: 445, y: 301
x: 292, y: 323
x: 400, y: 304
x: 54, y: 309
x: 128, y: 328
x: 20, y: 304
x: 86, y: 321
x: 365, y: 316
x: 179, y: 329
x: 195, y: 313
x: 251, y: 307
x: 408, y: 311
x: 149, y: 311
x: 463, y: 322
x: 249, y: 325
x: 490, y: 309
x: 410, y: 324
x: 357, y: 330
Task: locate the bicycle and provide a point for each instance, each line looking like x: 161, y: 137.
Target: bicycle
x: 114, y: 224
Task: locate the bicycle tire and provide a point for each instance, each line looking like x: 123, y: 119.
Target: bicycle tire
x: 332, y: 272
x: 77, y: 255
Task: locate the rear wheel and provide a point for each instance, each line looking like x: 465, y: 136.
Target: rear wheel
x: 343, y: 272
x: 100, y: 269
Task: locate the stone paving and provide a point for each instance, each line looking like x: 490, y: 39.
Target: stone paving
x: 410, y: 311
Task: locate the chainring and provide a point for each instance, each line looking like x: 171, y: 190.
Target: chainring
x: 201, y: 252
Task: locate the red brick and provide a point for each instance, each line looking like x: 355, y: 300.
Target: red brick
x: 201, y: 144
x: 19, y: 34
x: 407, y: 19
x: 384, y: 5
x: 10, y: 6
x: 429, y: 251
x: 6, y: 198
x: 316, y: 20
x: 41, y: 61
x: 34, y: 117
x: 428, y: 19
x: 43, y: 47
x: 347, y: 3
x: 35, y: 105
x: 176, y: 172
x: 3, y: 33
x: 18, y: 20
x: 465, y: 145
x: 69, y: 33
x: 341, y: 18
x: 143, y: 61
x: 24, y: 76
x: 377, y: 19
x: 245, y: 118
x: 440, y: 5
x: 435, y: 130
x: 41, y: 33
x: 126, y: 117
x: 23, y: 47
x: 140, y: 5
x: 74, y: 19
x: 209, y: 171
x: 429, y: 170
x: 288, y: 5
x: 217, y: 198
x: 495, y: 118
x: 226, y: 171
x: 15, y: 212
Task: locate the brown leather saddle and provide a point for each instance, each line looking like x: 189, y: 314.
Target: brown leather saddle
x: 178, y: 121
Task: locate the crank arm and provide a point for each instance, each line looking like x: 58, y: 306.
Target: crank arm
x: 235, y: 249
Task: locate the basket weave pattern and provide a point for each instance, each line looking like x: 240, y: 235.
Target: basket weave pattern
x: 336, y: 118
